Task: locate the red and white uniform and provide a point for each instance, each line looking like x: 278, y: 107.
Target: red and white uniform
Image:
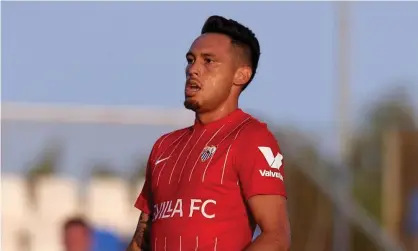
x: 199, y: 179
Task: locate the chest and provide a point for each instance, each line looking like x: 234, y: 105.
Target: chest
x: 196, y: 165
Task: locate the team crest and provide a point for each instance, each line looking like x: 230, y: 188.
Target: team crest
x: 207, y: 152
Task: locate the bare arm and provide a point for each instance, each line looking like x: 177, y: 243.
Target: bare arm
x: 140, y: 240
x: 270, y: 213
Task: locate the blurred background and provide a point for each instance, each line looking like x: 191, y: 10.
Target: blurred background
x: 87, y: 87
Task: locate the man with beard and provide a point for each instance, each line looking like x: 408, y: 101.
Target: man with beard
x: 208, y: 185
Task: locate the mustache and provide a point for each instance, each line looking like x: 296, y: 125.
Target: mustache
x: 193, y: 82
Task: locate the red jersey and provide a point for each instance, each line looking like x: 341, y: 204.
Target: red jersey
x: 199, y: 179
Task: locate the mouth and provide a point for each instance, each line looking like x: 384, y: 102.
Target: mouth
x: 192, y: 88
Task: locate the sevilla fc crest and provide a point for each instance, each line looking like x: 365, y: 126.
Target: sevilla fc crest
x: 207, y: 152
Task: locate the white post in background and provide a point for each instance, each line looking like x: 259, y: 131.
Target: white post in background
x: 342, y: 236
x: 344, y: 76
x: 391, y: 184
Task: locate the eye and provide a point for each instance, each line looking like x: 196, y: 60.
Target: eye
x: 190, y: 60
x: 208, y: 61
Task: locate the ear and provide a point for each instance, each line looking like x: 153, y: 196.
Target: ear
x: 242, y: 75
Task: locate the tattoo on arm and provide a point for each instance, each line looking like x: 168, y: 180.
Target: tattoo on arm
x: 140, y: 241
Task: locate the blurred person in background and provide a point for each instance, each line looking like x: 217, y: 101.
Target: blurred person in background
x: 77, y: 235
x: 207, y: 186
x: 80, y: 236
x: 107, y: 240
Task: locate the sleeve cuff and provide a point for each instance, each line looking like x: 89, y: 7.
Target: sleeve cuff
x: 283, y: 194
x: 142, y: 205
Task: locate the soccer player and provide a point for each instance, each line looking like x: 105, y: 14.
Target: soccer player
x: 208, y: 185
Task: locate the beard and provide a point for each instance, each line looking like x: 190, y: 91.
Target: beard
x: 191, y: 105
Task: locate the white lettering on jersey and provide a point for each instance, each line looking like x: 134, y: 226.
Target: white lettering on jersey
x: 166, y: 210
x: 273, y: 162
x: 193, y: 207
x: 178, y: 208
x: 202, y: 210
x: 270, y: 173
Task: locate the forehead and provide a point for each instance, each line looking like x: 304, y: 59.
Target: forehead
x: 211, y: 43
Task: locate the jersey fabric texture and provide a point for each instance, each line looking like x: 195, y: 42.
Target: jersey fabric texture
x: 199, y: 178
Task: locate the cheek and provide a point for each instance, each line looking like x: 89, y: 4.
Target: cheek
x: 221, y: 81
x: 211, y: 80
x: 213, y: 86
x: 216, y: 77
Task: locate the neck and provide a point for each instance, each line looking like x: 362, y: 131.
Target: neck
x: 216, y: 114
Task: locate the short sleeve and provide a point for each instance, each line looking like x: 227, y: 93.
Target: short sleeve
x: 144, y: 200
x: 259, y: 164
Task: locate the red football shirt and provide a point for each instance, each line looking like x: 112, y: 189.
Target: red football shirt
x: 199, y: 179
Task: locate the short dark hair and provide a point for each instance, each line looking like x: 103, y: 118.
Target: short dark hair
x: 76, y: 221
x: 240, y: 35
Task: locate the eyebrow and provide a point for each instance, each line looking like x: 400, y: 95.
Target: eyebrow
x: 201, y: 54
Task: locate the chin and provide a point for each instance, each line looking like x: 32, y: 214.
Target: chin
x: 191, y: 104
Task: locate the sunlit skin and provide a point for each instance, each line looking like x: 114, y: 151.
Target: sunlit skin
x: 215, y: 67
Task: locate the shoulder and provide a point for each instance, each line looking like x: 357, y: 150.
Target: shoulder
x: 168, y: 139
x: 254, y: 145
x: 255, y: 131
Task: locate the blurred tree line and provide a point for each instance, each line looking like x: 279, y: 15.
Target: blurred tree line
x: 394, y: 110
x: 311, y: 211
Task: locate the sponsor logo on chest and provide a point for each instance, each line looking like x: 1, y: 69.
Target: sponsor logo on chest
x: 180, y: 208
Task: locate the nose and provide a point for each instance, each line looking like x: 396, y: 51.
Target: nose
x: 192, y: 70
